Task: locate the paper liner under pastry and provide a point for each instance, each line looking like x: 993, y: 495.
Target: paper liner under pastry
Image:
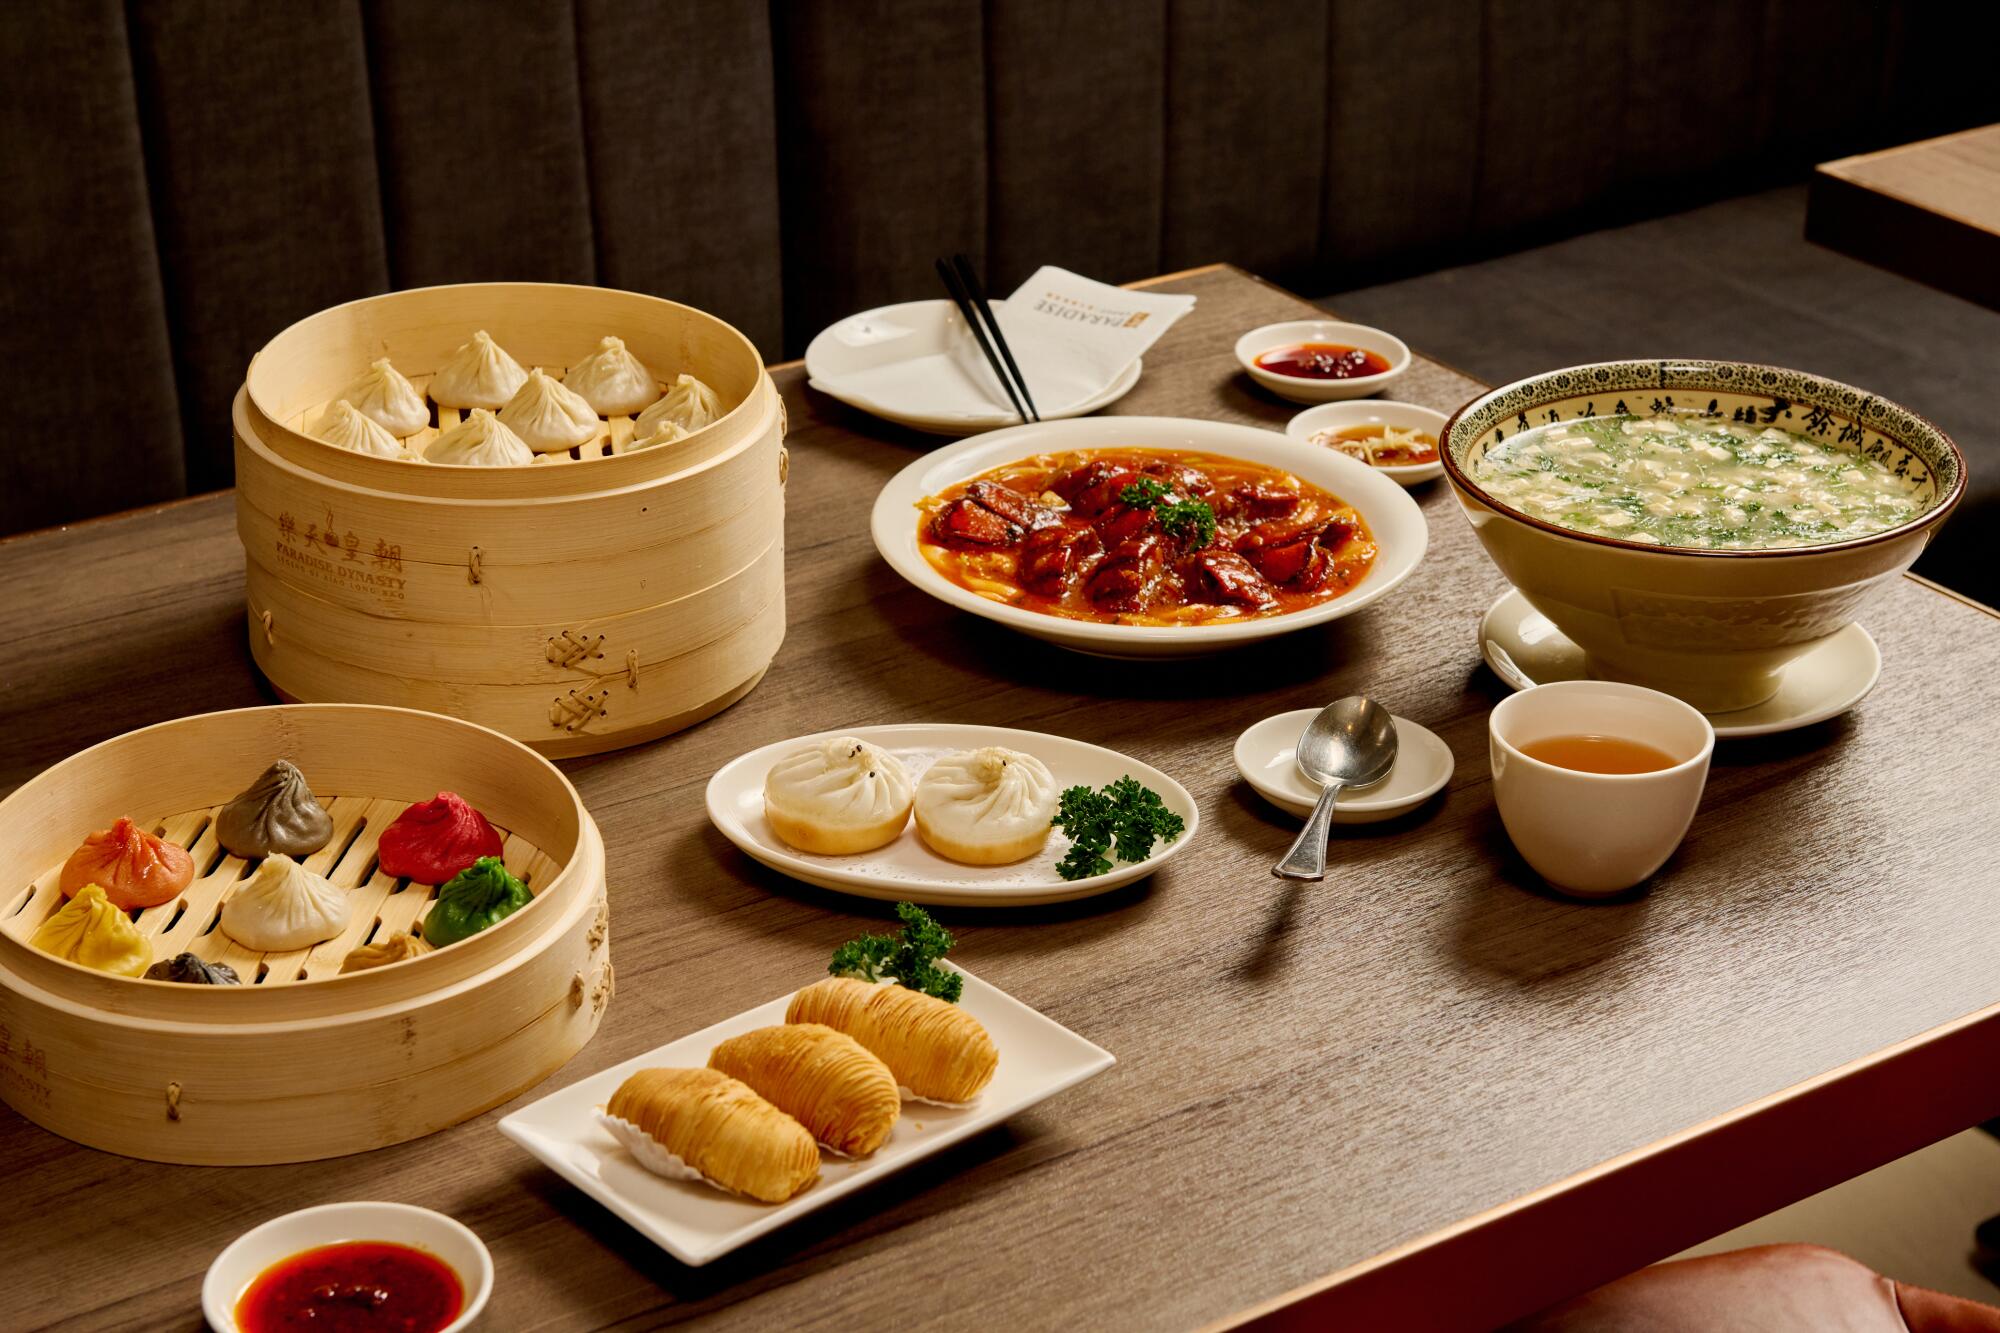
x: 909, y: 1096
x: 648, y: 1152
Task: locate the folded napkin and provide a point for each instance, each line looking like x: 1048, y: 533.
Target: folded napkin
x: 1072, y: 338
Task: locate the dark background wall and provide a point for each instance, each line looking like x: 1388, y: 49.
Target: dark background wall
x: 186, y: 177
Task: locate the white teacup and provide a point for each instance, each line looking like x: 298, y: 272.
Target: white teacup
x: 1597, y: 833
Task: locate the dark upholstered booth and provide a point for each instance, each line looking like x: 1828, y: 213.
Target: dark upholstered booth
x: 186, y: 177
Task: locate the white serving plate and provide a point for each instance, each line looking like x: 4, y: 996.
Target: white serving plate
x: 908, y: 871
x: 695, y: 1222
x: 1372, y: 412
x: 916, y: 364
x: 1392, y: 516
x: 1267, y: 755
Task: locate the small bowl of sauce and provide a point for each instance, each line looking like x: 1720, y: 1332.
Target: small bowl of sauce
x: 350, y: 1268
x: 1399, y: 440
x: 1322, y: 360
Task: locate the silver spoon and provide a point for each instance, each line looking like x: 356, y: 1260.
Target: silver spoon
x: 1352, y: 743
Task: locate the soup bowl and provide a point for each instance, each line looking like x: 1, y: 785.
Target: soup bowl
x: 1715, y: 628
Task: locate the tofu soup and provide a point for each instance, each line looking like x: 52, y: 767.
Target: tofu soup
x: 1669, y: 480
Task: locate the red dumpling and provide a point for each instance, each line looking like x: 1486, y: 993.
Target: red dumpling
x: 134, y: 868
x: 434, y: 840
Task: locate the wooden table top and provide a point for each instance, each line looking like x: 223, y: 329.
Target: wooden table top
x: 1424, y: 1092
x: 1928, y: 210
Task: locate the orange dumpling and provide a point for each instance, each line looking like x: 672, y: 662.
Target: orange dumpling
x: 135, y: 868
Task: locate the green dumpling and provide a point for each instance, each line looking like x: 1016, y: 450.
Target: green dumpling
x: 474, y: 899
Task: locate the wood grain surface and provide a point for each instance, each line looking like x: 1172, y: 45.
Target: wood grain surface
x: 1425, y: 1058
x: 1928, y: 210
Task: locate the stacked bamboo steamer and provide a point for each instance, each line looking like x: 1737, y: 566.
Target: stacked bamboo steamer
x: 299, y: 1061
x: 577, y: 605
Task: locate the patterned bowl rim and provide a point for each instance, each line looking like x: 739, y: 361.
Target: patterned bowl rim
x: 1720, y: 377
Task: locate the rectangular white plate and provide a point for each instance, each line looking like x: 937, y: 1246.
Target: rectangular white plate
x: 695, y: 1222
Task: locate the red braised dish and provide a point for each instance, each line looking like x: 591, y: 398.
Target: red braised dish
x: 1146, y: 537
x: 1323, y: 361
x: 357, y: 1287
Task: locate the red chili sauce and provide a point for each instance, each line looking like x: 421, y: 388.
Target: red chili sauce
x: 365, y: 1286
x: 1323, y: 361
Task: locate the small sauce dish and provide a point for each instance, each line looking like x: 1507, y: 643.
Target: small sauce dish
x: 257, y: 1249
x: 1317, y: 425
x: 1263, y: 343
x: 1267, y: 757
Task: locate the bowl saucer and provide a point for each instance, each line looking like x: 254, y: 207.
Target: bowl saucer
x: 1524, y: 648
x: 1266, y: 756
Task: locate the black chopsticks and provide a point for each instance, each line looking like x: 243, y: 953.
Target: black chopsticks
x: 962, y: 281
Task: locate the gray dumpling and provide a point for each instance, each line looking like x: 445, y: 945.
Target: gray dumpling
x: 185, y: 967
x: 276, y: 814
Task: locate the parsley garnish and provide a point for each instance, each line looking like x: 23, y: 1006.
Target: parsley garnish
x: 909, y: 959
x: 1192, y: 521
x: 1125, y: 819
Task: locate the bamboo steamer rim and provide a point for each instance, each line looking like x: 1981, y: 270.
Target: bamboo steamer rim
x: 346, y: 994
x: 394, y: 472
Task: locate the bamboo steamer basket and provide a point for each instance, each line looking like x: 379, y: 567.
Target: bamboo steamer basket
x: 585, y: 602
x: 299, y: 1062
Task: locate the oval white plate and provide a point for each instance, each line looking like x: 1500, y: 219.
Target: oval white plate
x: 1401, y: 535
x: 1369, y: 412
x: 331, y: 1224
x: 906, y: 869
x: 897, y: 362
x: 1267, y: 757
x: 1525, y: 649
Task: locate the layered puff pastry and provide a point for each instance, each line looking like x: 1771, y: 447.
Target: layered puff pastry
x: 844, y: 1096
x: 700, y: 1122
x: 936, y: 1050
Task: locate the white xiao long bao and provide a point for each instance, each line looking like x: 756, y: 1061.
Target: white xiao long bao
x: 612, y: 380
x: 666, y: 432
x: 550, y: 418
x: 480, y: 441
x: 345, y: 427
x: 838, y: 796
x: 386, y: 397
x: 479, y: 374
x: 284, y: 906
x: 986, y: 807
x: 690, y: 404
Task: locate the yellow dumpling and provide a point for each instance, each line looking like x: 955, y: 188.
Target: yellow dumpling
x: 90, y: 931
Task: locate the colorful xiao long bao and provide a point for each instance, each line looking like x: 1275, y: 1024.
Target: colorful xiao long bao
x: 192, y: 970
x: 284, y: 906
x: 481, y: 895
x: 276, y: 814
x: 89, y: 930
x: 134, y: 868
x: 392, y: 949
x: 703, y: 1124
x: 433, y: 840
x: 826, y: 1080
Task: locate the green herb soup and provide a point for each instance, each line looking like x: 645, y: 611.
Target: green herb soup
x: 1671, y: 480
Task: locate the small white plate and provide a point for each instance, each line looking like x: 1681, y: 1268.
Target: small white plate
x: 1524, y: 648
x: 1402, y: 416
x: 914, y: 364
x: 695, y: 1222
x: 1398, y: 525
x: 333, y: 1224
x: 1300, y: 389
x: 1267, y: 757
x: 907, y: 870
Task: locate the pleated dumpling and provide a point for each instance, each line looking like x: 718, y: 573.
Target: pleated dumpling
x: 986, y: 807
x: 384, y: 951
x: 665, y: 432
x: 549, y: 418
x: 345, y: 427
x: 90, y: 931
x: 701, y: 1124
x: 480, y: 441
x: 276, y: 813
x: 689, y: 404
x: 132, y: 866
x: 612, y: 380
x: 936, y: 1050
x: 284, y: 906
x: 386, y: 397
x: 479, y: 374
x: 826, y: 1080
x: 837, y: 796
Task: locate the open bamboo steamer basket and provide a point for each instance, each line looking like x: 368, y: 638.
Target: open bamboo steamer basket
x: 299, y: 1062
x: 577, y: 605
